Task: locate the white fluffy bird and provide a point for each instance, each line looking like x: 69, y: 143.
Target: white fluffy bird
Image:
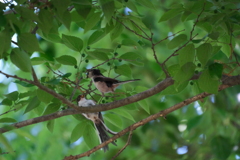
x: 97, y: 120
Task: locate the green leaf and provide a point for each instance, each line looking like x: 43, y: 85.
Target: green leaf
x: 26, y: 13
x: 170, y: 14
x: 117, y: 31
x: 6, y: 102
x: 28, y: 42
x: 205, y: 26
x: 129, y: 42
x: 78, y: 130
x: 132, y: 58
x: 96, y: 36
x: 24, y: 84
x: 53, y: 81
x: 107, y: 8
x: 143, y: 103
x: 82, y: 2
x: 193, y: 122
x: 204, y: 52
x: 173, y: 69
x: 67, y: 60
x: 90, y: 136
x: 185, y: 73
x: 5, y: 142
x: 124, y: 113
x: 221, y: 147
x: 38, y: 60
x: 44, y: 96
x: 65, y: 18
x: 174, y: 90
x: 113, y: 119
x: 177, y: 41
x: 216, y: 70
x: 72, y: 42
x: 98, y: 55
x: 226, y: 46
x: 124, y: 70
x: 50, y: 125
x: 186, y: 54
x: 46, y: 20
x: 92, y: 20
x: 7, y: 120
x: 207, y: 83
x: 51, y: 108
x: 33, y: 104
x: 21, y: 60
x: 12, y: 96
x: 5, y: 41
x: 147, y: 4
x: 66, y: 75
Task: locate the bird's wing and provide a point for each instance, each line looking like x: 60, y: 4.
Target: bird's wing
x: 109, y: 81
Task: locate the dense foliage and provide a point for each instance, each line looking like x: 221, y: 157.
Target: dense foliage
x: 47, y: 45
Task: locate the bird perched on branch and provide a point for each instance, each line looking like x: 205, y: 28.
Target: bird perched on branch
x: 105, y: 84
x: 97, y: 120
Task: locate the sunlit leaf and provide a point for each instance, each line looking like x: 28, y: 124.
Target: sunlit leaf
x: 33, y: 104
x: 67, y: 60
x: 12, y: 96
x: 74, y: 43
x: 177, y: 41
x: 50, y: 125
x: 204, y: 52
x: 124, y: 70
x: 113, y: 119
x: 21, y: 60
x: 44, y: 96
x: 207, y: 83
x: 7, y: 120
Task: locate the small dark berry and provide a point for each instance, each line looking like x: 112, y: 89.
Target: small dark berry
x: 126, y: 0
x: 191, y: 83
x: 223, y: 7
x: 120, y: 60
x: 215, y: 11
x: 196, y: 72
x: 86, y: 60
x: 88, y: 47
x: 83, y: 55
x: 75, y: 66
x: 115, y: 53
x: 106, y: 97
x: 119, y: 46
x: 108, y: 64
x: 103, y: 101
x: 199, y: 65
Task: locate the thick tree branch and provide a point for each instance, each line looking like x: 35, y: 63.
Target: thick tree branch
x: 228, y: 83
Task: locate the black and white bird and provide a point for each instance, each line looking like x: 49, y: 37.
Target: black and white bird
x: 97, y: 120
x: 105, y: 84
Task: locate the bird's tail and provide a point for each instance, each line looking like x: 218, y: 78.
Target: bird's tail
x: 123, y: 82
x: 102, y: 133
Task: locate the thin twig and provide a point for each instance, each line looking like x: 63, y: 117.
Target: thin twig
x: 125, y: 146
x: 197, y: 20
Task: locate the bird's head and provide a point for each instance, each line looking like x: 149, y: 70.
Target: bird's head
x: 93, y: 72
x: 80, y: 97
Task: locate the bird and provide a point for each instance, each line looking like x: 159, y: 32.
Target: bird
x: 97, y: 120
x: 105, y: 84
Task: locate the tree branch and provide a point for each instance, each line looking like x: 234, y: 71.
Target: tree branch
x: 125, y: 146
x: 228, y: 83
